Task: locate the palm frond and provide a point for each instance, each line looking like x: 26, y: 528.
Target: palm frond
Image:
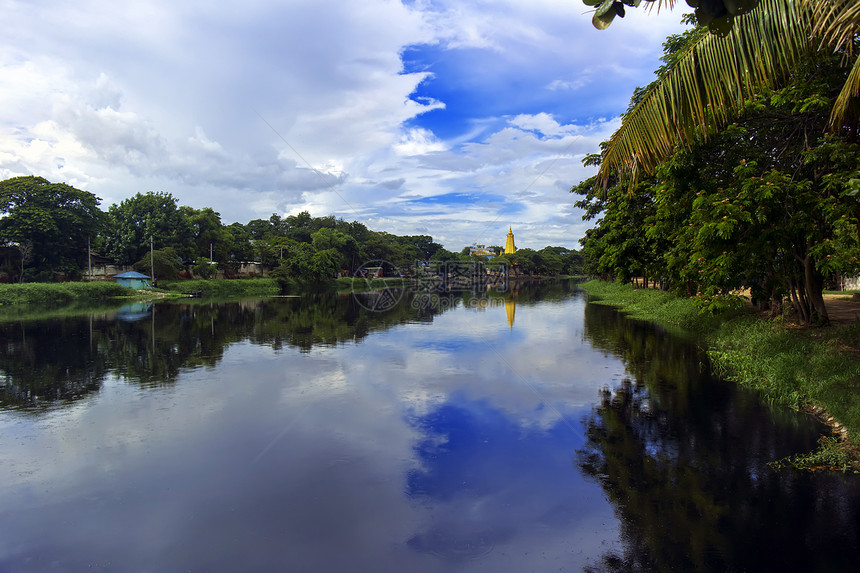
x: 708, y: 85
x: 847, y: 106
x: 837, y: 23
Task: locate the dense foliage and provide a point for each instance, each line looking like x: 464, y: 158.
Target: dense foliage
x: 767, y: 203
x: 710, y: 79
x: 48, y: 228
x: 48, y: 225
x: 717, y: 15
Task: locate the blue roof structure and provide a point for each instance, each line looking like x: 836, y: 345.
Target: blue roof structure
x: 133, y: 280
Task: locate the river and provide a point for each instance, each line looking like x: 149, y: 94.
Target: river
x: 520, y: 431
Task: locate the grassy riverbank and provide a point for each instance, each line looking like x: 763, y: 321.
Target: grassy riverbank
x: 58, y: 294
x: 222, y: 288
x: 814, y: 370
x: 34, y: 300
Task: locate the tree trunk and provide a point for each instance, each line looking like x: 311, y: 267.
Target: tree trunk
x: 814, y: 283
x: 798, y: 301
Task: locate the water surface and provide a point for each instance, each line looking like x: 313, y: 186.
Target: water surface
x: 524, y: 432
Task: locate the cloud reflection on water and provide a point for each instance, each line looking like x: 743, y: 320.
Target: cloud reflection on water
x: 402, y: 451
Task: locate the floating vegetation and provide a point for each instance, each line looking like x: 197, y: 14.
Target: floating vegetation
x: 832, y: 454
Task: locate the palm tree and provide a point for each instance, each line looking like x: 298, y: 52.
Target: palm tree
x: 709, y: 81
x: 838, y: 23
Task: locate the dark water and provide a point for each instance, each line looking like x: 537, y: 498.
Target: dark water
x: 326, y: 433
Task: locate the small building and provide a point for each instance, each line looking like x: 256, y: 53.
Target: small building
x: 134, y: 280
x: 482, y: 251
x: 101, y: 268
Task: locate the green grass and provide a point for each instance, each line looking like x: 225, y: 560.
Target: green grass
x: 32, y: 301
x: 832, y: 454
x: 58, y: 294
x: 224, y: 288
x: 654, y: 305
x: 805, y: 369
x: 800, y: 368
x: 55, y: 295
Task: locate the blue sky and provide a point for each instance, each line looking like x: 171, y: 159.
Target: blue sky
x: 446, y: 118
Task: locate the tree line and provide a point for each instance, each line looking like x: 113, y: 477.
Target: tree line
x: 769, y: 201
x: 51, y: 229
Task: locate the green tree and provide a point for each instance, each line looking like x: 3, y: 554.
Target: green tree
x: 619, y: 246
x: 708, y: 81
x: 302, y: 263
x: 136, y: 220
x: 382, y: 246
x: 239, y: 244
x: 261, y: 228
x: 343, y: 245
x: 167, y: 264
x: 210, y: 236
x: 53, y: 221
x: 297, y: 227
x: 763, y: 202
x: 424, y: 245
x: 443, y: 255
x: 551, y: 261
x: 205, y: 268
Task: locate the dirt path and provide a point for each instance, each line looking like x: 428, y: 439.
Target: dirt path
x: 841, y: 308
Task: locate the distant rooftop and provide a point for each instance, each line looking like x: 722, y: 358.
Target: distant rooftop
x: 131, y: 275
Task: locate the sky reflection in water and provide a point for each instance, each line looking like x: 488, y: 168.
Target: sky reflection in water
x: 424, y: 446
x: 427, y: 446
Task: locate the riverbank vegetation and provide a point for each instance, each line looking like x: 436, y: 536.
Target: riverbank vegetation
x: 52, y: 230
x: 30, y: 298
x: 760, y: 194
x: 259, y: 287
x: 58, y: 294
x: 812, y: 370
x: 736, y: 171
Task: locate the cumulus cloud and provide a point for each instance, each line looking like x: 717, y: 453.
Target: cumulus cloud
x: 418, y: 141
x: 352, y: 108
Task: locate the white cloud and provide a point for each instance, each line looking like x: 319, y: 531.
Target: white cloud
x: 261, y: 106
x: 542, y: 123
x: 418, y: 141
x: 574, y: 85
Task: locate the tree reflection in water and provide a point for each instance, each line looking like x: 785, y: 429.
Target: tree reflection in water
x: 683, y: 458
x: 48, y: 361
x: 62, y: 359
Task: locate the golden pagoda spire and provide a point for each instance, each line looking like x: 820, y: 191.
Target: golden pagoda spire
x: 510, y: 248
